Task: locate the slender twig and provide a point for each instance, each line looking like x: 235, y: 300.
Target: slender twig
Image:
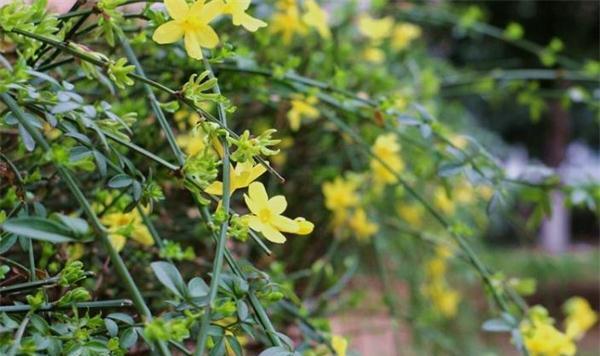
x: 263, y: 318
x: 18, y: 336
x: 218, y: 260
x: 35, y: 284
x: 23, y: 308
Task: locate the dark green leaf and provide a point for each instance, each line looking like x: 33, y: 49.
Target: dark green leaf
x: 169, y: 276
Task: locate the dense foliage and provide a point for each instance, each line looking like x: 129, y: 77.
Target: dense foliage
x: 155, y: 157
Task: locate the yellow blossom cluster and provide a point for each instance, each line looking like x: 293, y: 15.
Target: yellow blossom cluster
x: 542, y: 338
x: 303, y: 108
x: 192, y: 22
x: 378, y: 30
x: 386, y: 149
x: 343, y: 200
x: 444, y: 298
x: 289, y: 21
x: 580, y: 317
x: 122, y: 226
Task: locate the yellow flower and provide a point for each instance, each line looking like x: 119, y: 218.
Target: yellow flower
x: 375, y: 29
x: 435, y: 268
x: 237, y: 10
x: 191, y: 23
x: 445, y: 299
x: 266, y: 215
x: 339, y: 345
x: 464, y: 193
x: 442, y: 201
x: 316, y: 17
x: 191, y: 144
x: 403, y: 34
x: 412, y: 214
x: 374, y: 55
x: 241, y: 176
x: 362, y: 227
x: 185, y: 119
x: 541, y: 338
x: 123, y: 225
x: 580, y: 317
x: 302, y: 108
x: 340, y: 194
x: 387, y: 149
x: 287, y: 20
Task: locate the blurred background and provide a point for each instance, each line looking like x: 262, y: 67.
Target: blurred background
x: 562, y: 253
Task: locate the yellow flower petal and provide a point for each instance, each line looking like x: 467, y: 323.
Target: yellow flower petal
x: 248, y: 22
x: 305, y: 226
x: 207, y: 37
x: 216, y: 188
x: 285, y: 224
x: 118, y: 241
x: 259, y: 196
x: 254, y: 223
x: 207, y: 12
x: 168, y: 32
x: 178, y: 9
x: 272, y: 234
x: 192, y: 47
x: 252, y: 206
x: 142, y: 235
x: 277, y: 204
x: 255, y: 172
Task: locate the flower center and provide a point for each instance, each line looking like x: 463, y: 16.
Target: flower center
x: 265, y: 215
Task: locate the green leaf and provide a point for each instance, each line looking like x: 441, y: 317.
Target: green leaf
x: 197, y: 287
x: 120, y: 181
x: 128, y: 338
x: 496, y: 325
x: 276, y: 351
x: 112, y: 327
x: 38, y: 229
x: 76, y: 225
x: 170, y: 277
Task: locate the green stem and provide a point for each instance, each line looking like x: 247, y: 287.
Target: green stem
x: 18, y: 336
x: 264, y: 320
x: 218, y: 261
x: 65, y: 175
x: 154, y: 103
x: 23, y: 308
x: 35, y: 284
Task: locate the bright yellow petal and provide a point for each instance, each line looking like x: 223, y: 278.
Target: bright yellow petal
x: 118, y: 241
x: 255, y: 172
x: 254, y: 223
x: 277, y: 204
x: 216, y: 188
x: 209, y: 11
x: 207, y: 37
x: 168, y: 32
x: 248, y: 22
x: 252, y: 206
x: 192, y: 46
x: 305, y: 226
x: 285, y: 224
x: 142, y: 235
x: 258, y: 195
x: 178, y: 9
x: 271, y: 234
